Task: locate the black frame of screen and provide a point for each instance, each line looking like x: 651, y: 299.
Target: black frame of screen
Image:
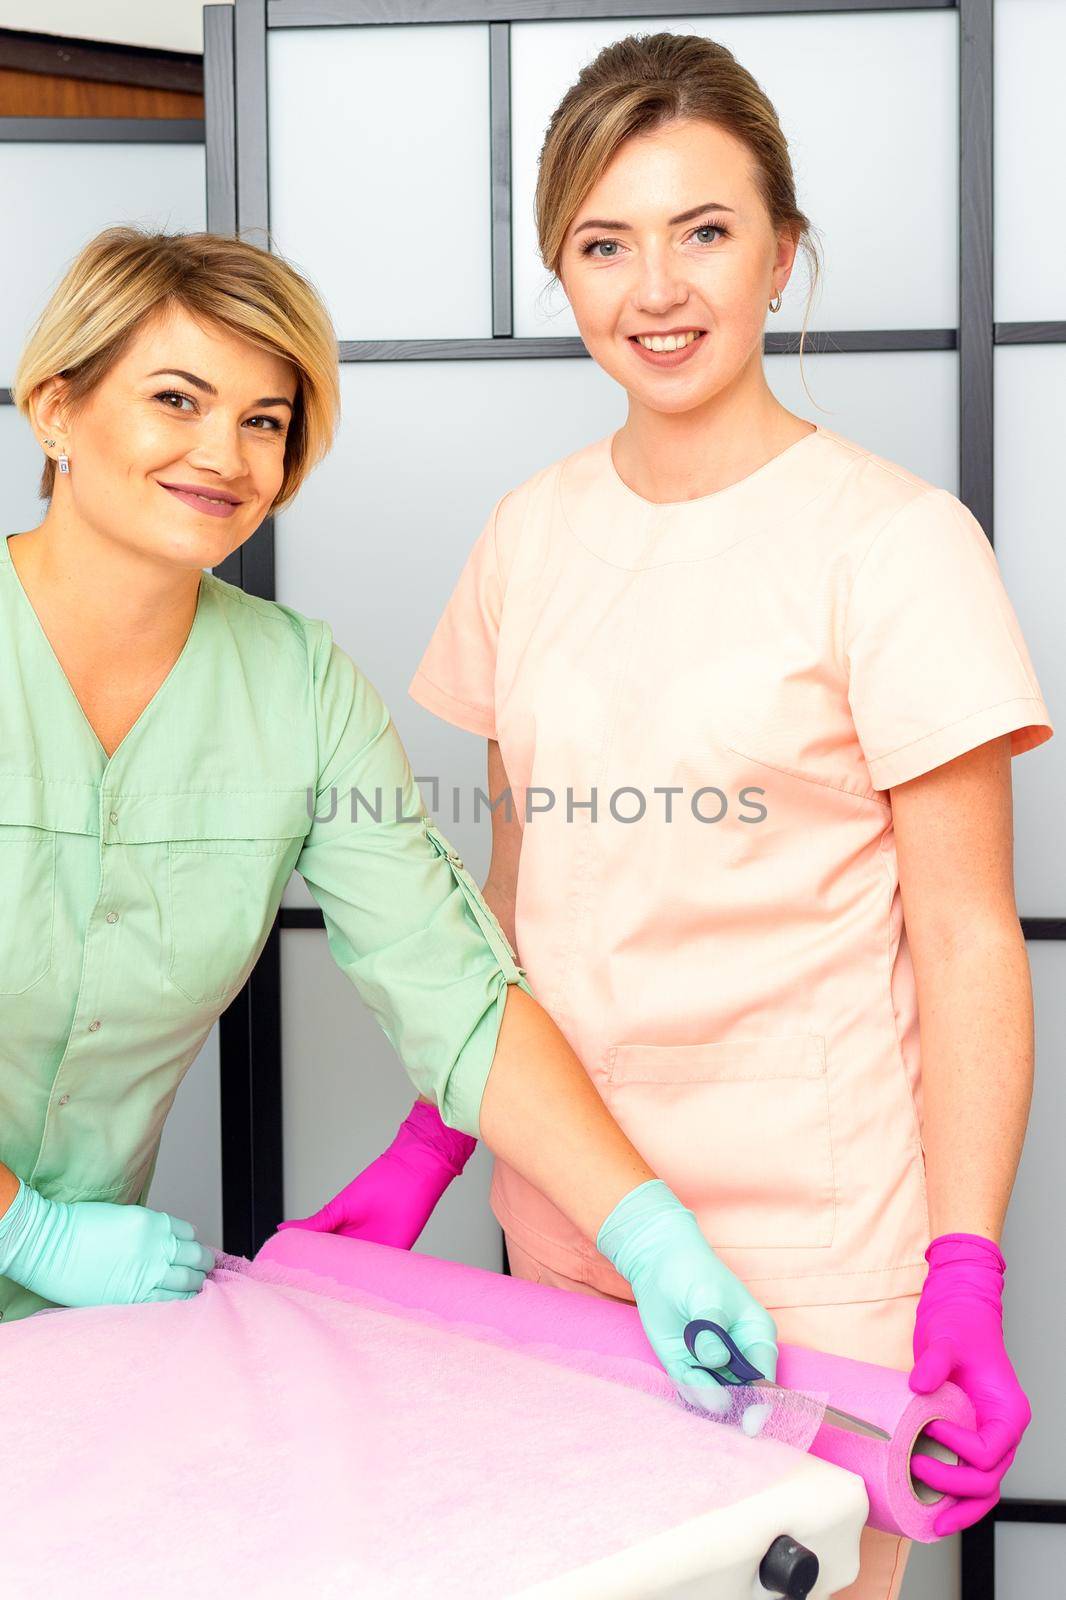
x: 238, y: 199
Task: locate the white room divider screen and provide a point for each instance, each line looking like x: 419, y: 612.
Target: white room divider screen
x: 389, y: 149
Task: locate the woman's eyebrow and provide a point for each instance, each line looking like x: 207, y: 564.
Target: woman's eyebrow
x: 208, y: 388
x: 686, y: 216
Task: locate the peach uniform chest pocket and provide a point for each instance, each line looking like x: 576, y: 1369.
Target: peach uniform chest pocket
x: 739, y: 1129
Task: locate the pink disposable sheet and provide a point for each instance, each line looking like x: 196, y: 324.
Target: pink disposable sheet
x: 577, y: 1327
x: 293, y: 1430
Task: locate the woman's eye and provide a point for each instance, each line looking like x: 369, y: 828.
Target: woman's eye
x: 167, y: 395
x: 596, y: 244
x: 612, y: 244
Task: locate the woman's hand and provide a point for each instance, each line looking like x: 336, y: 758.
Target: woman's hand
x: 94, y: 1253
x: 392, y: 1199
x: 655, y: 1242
x: 958, y: 1335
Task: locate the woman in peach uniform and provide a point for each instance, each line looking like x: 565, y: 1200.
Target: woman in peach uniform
x: 754, y: 691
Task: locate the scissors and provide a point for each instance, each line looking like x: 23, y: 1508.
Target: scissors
x: 742, y: 1371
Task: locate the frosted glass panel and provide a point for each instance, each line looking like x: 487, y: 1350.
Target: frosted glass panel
x: 345, y: 1093
x: 1030, y: 530
x: 188, y: 1174
x: 379, y: 175
x: 21, y: 460
x: 63, y: 194
x: 1035, y: 1296
x: 379, y: 533
x: 1030, y: 1560
x: 881, y: 188
x: 902, y: 405
x: 1029, y: 134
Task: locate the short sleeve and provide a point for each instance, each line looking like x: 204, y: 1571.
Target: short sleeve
x: 456, y: 676
x: 937, y: 664
x: 404, y: 919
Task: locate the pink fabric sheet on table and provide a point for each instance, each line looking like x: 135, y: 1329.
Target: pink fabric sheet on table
x: 287, y: 1433
x: 582, y: 1326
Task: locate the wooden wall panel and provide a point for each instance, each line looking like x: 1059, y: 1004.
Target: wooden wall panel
x: 41, y: 94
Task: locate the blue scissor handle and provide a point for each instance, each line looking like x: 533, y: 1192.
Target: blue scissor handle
x: 738, y: 1363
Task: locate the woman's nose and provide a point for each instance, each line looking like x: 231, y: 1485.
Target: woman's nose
x: 221, y: 448
x: 659, y: 283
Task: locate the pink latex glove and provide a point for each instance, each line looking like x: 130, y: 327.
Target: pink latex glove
x: 958, y: 1334
x: 393, y: 1198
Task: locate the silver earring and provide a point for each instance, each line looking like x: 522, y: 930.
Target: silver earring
x: 64, y: 459
x: 776, y: 307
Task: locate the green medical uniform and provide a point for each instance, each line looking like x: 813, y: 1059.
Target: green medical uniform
x: 138, y: 891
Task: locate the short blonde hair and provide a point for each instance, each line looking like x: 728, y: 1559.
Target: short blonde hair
x: 642, y: 83
x: 123, y: 276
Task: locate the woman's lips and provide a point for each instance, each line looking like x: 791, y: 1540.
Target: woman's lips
x: 667, y: 358
x: 210, y: 508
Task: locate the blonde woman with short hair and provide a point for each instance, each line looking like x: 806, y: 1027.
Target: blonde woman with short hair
x: 162, y: 734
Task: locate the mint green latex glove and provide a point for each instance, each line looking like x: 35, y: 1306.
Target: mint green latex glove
x: 94, y: 1253
x: 655, y: 1242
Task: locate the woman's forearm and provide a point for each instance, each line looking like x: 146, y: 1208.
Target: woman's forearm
x: 540, y: 1113
x: 975, y: 1005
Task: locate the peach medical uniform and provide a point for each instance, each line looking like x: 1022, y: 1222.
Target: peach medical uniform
x: 736, y: 682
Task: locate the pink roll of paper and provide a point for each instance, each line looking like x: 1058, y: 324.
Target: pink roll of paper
x: 883, y: 1396
x: 574, y: 1326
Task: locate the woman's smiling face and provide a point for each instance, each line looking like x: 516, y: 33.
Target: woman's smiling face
x: 186, y: 404
x: 675, y: 235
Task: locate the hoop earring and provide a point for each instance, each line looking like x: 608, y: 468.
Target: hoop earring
x: 776, y: 307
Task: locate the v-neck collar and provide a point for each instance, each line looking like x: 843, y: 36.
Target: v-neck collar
x: 75, y: 703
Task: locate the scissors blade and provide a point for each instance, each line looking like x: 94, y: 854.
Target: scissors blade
x: 838, y: 1419
x: 741, y: 1373
x: 844, y: 1419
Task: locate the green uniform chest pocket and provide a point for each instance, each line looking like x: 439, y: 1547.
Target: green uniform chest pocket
x: 27, y: 892
x: 223, y: 897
